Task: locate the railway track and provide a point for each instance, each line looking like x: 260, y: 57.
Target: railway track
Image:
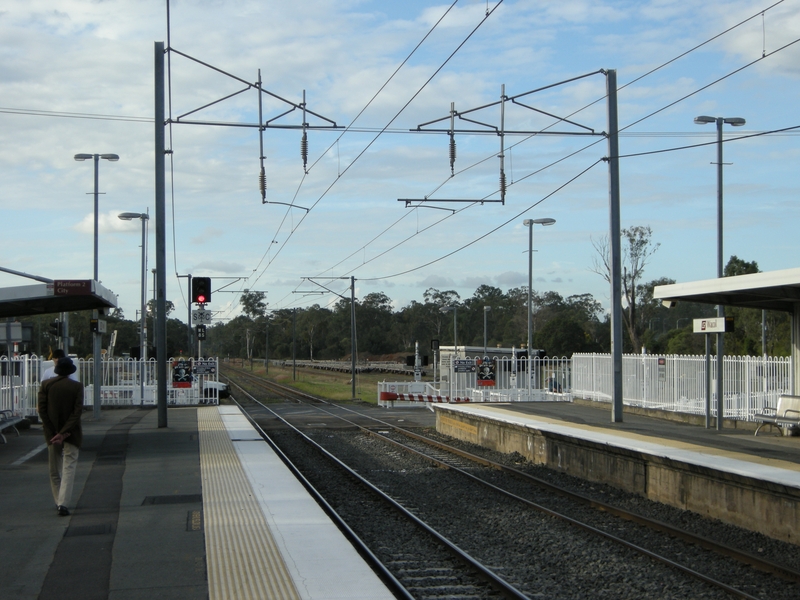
x: 512, y: 499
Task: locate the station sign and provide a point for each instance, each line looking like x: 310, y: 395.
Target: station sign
x: 72, y: 287
x: 204, y: 367
x: 713, y: 325
x: 464, y: 365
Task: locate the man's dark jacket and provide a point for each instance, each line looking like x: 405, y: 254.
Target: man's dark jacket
x: 60, y: 408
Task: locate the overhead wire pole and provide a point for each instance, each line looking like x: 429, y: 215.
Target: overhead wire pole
x: 161, y: 240
x: 353, y: 333
x: 614, y: 235
x: 353, y: 339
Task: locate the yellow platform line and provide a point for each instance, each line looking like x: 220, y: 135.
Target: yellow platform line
x: 242, y: 558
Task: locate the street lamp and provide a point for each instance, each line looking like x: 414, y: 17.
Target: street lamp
x: 735, y: 122
x: 446, y: 309
x: 96, y: 335
x: 145, y: 218
x: 529, y: 223
x: 486, y: 310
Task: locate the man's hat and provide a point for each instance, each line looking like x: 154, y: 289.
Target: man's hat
x: 65, y: 366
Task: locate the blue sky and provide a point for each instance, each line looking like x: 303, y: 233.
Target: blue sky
x: 95, y: 59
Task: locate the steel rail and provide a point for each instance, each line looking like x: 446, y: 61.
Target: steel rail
x: 709, y: 544
x: 493, y: 579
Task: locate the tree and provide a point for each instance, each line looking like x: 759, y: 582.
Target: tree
x: 562, y: 336
x: 746, y: 338
x: 253, y: 304
x: 637, y: 249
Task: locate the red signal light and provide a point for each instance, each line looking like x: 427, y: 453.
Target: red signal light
x: 201, y: 290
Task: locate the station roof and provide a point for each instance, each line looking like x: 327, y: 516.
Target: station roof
x: 776, y: 290
x: 63, y: 295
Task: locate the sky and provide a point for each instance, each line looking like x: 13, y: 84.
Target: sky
x: 77, y: 77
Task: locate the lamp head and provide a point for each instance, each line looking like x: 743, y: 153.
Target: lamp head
x: 129, y: 216
x: 84, y: 156
x: 487, y: 308
x: 111, y: 157
x: 704, y: 119
x: 735, y: 121
x: 446, y: 309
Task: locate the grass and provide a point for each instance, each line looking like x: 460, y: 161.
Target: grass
x: 330, y: 384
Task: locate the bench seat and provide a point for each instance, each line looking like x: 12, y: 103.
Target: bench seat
x: 9, y: 421
x: 786, y: 414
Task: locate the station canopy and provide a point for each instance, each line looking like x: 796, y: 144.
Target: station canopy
x: 65, y: 295
x: 776, y: 290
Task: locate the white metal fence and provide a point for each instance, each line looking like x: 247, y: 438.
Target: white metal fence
x: 501, y: 379
x: 678, y: 383
x: 124, y: 382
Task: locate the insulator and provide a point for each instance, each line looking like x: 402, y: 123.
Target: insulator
x: 262, y: 182
x: 502, y: 183
x: 304, y: 149
x: 452, y: 154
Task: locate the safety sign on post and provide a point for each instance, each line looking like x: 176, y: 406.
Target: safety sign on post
x: 181, y: 374
x: 486, y: 372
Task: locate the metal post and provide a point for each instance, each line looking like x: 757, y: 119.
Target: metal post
x: 353, y: 343
x: 189, y: 343
x: 266, y: 351
x: 486, y: 309
x: 720, y: 307
x: 614, y: 238
x: 96, y: 335
x: 294, y: 345
x: 65, y: 332
x: 161, y: 245
x: 143, y: 322
x: 455, y: 329
x: 708, y: 380
x: 530, y: 292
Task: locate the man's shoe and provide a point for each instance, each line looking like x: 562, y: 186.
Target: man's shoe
x: 62, y: 511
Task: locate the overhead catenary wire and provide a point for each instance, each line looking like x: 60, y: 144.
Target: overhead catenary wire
x: 784, y: 131
x: 424, y: 85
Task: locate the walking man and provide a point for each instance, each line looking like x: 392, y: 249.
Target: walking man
x: 60, y: 408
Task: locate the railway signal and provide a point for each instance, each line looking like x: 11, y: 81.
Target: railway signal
x: 201, y: 290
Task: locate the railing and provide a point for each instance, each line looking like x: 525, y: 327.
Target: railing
x: 678, y: 383
x: 501, y: 379
x: 124, y: 382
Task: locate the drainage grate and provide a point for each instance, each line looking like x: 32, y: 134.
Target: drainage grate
x: 101, y: 529
x: 173, y: 499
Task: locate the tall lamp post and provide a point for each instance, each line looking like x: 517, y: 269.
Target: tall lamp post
x: 735, y: 122
x: 145, y: 218
x: 529, y: 223
x: 486, y: 310
x: 96, y: 335
x: 454, y: 309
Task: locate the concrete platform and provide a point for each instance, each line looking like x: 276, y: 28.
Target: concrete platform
x: 143, y: 509
x: 752, y: 482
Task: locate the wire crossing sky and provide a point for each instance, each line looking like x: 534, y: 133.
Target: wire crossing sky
x: 76, y: 77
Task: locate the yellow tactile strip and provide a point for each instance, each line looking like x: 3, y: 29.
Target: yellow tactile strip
x: 242, y: 557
